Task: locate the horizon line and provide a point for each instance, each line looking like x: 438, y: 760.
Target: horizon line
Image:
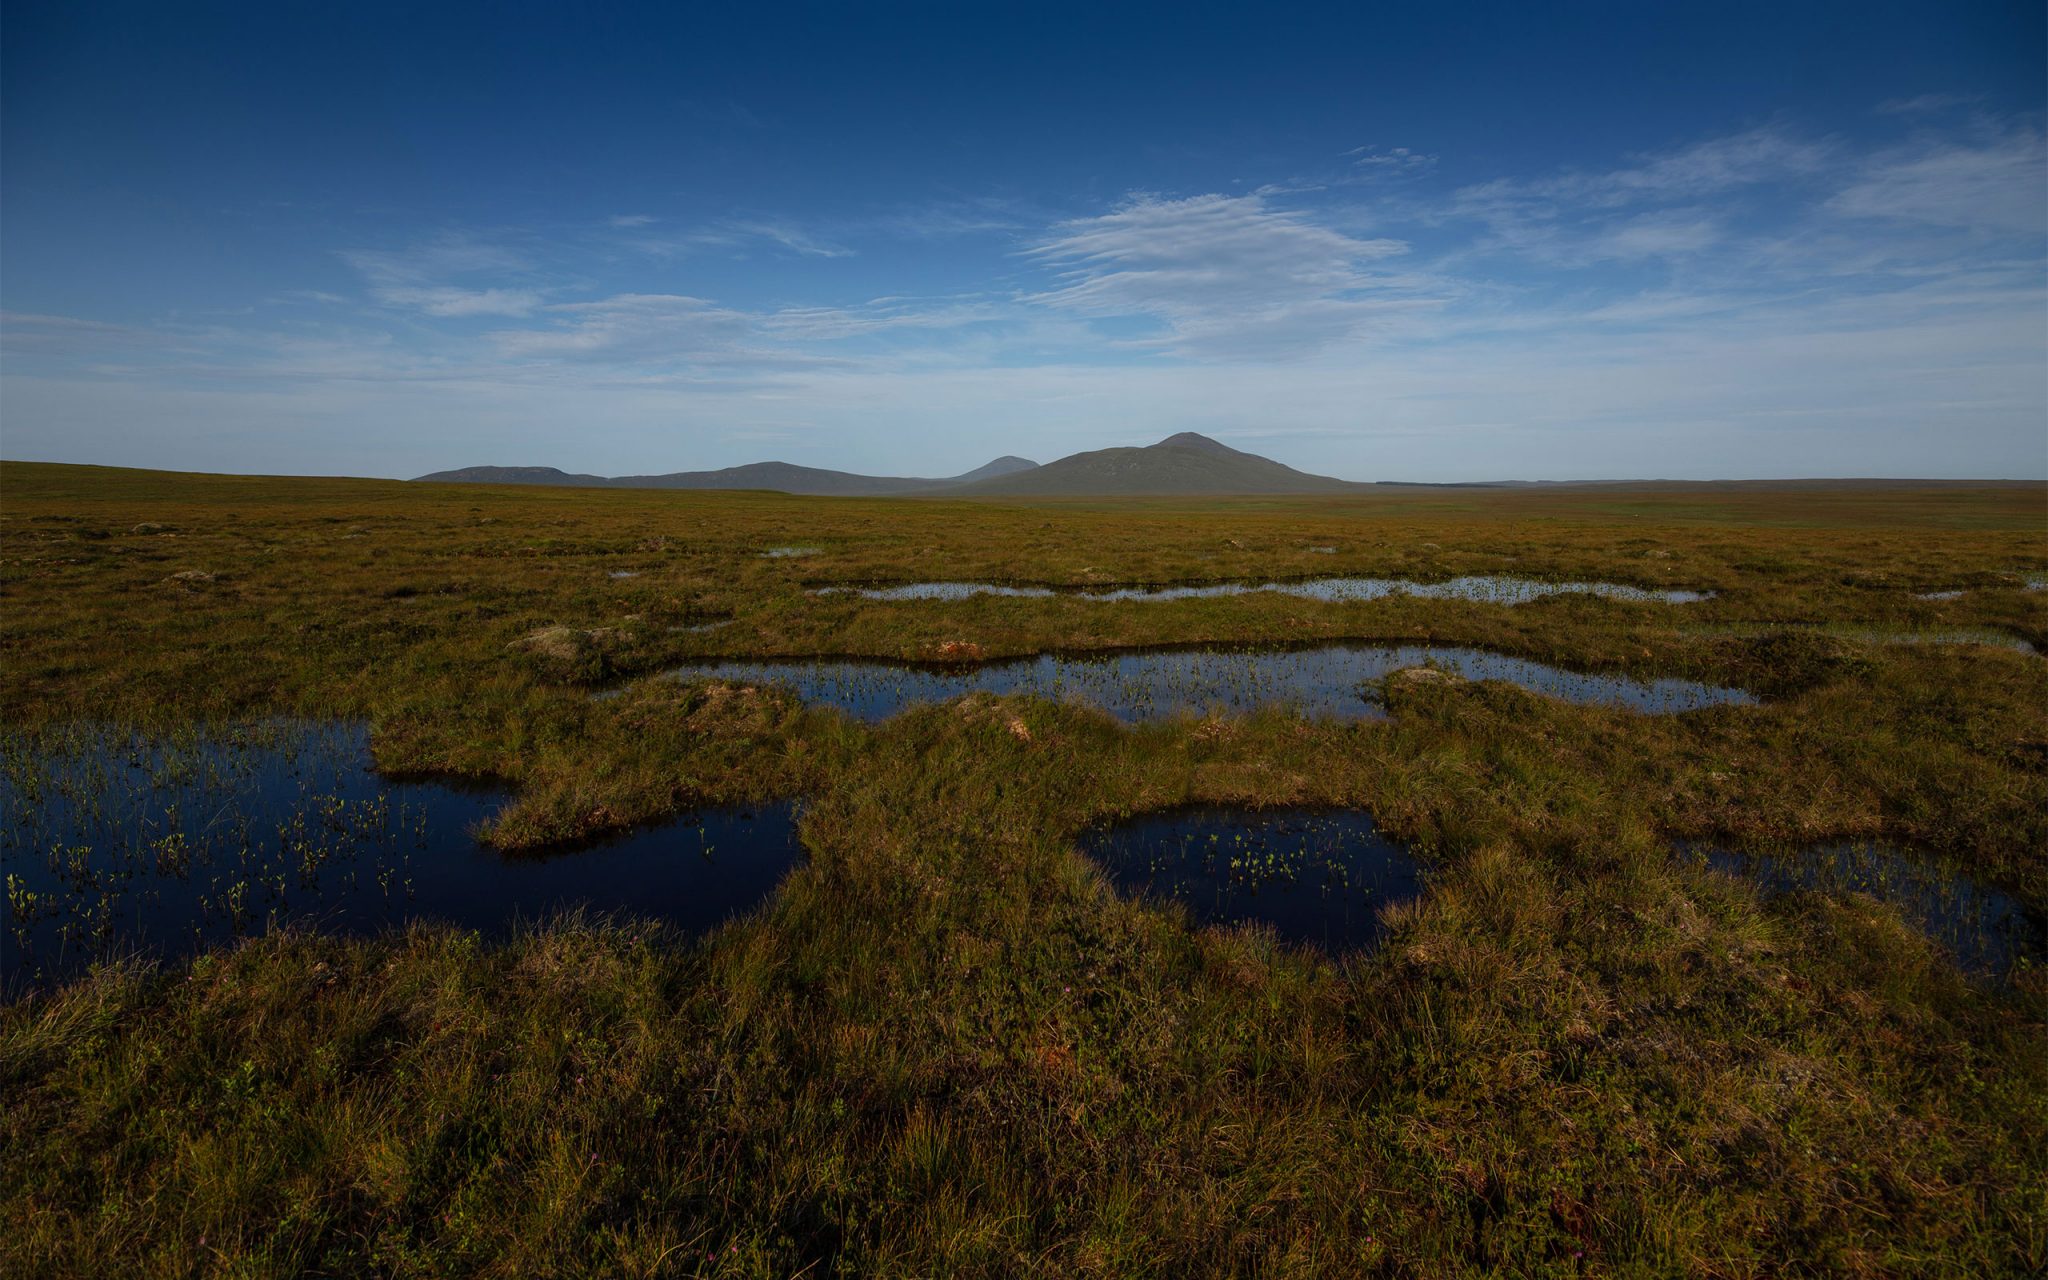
x: 1249, y: 493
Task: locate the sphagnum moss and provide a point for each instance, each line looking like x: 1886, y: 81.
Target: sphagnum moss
x: 945, y: 1046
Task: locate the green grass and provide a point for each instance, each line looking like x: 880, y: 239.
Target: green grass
x: 946, y: 1045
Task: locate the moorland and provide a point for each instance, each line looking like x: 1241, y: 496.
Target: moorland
x: 945, y: 1043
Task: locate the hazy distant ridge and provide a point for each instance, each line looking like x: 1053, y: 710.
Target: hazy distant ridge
x: 1184, y: 463
x: 783, y: 476
x: 513, y: 475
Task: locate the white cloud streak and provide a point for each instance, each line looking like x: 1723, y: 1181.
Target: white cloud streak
x: 1998, y: 184
x: 1228, y: 276
x: 425, y: 278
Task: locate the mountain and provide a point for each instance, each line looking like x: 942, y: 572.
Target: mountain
x: 513, y: 475
x: 1185, y: 463
x: 784, y: 476
x: 1008, y: 464
x: 1196, y: 440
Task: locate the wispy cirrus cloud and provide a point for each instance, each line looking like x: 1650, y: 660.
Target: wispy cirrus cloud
x: 1770, y: 203
x: 1391, y: 160
x: 451, y: 302
x: 31, y: 326
x: 787, y: 235
x: 654, y: 331
x: 629, y: 328
x: 1767, y: 154
x: 945, y: 219
x: 436, y: 278
x: 880, y: 315
x: 1927, y: 103
x: 1996, y: 183
x: 1226, y: 276
x: 740, y: 234
x: 1662, y: 205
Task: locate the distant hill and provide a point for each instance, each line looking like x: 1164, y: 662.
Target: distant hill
x: 513, y: 475
x: 1185, y: 463
x: 1008, y: 464
x: 783, y: 476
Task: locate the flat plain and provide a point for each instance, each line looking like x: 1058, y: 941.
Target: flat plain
x: 945, y: 1042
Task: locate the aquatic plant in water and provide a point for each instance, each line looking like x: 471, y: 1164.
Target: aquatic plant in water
x: 1318, y: 876
x: 115, y: 841
x: 1986, y: 930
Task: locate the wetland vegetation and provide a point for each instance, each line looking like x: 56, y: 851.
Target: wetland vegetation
x: 1590, y: 1019
x: 1985, y: 929
x: 1311, y: 875
x: 1339, y: 681
x: 116, y: 844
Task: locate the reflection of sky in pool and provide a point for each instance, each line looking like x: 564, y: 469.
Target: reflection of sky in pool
x: 1487, y: 589
x: 1986, y: 929
x: 120, y: 845
x: 1152, y: 685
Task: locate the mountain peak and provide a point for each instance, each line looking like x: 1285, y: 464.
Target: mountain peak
x: 1185, y: 463
x: 1194, y: 440
x: 1008, y: 464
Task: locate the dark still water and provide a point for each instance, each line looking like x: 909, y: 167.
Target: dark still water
x: 112, y: 844
x: 1316, y: 876
x: 1987, y: 930
x: 1325, y: 681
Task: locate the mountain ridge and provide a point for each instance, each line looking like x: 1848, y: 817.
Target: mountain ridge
x: 1185, y: 462
x: 784, y: 477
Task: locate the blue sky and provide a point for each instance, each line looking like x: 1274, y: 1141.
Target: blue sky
x: 1417, y: 242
